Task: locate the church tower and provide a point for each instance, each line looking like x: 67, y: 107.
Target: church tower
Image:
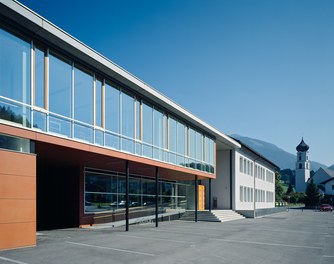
x: 302, y: 167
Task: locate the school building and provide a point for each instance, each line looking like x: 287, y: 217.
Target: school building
x: 84, y: 142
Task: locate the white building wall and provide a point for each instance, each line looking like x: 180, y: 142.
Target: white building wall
x: 253, y: 187
x: 220, y: 187
x: 244, y: 178
x: 265, y: 186
x: 244, y: 182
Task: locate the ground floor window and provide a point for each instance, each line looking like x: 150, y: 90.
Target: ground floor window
x: 15, y: 144
x: 105, y: 192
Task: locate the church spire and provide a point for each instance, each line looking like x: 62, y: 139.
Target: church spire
x: 302, y: 147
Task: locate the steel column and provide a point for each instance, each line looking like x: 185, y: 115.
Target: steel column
x: 127, y: 196
x: 196, y: 197
x: 156, y: 196
x: 210, y: 195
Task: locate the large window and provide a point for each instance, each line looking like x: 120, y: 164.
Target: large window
x: 112, y: 108
x: 147, y: 129
x: 158, y: 134
x: 60, y: 86
x: 181, y: 142
x: 172, y: 139
x: 128, y: 121
x: 15, y: 77
x: 106, y: 192
x: 112, y: 116
x: 83, y: 104
x: 83, y: 96
x: 14, y: 67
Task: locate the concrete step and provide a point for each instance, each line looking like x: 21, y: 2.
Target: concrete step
x: 201, y: 216
x: 213, y: 216
x: 227, y: 215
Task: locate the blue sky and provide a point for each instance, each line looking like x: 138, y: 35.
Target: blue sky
x: 263, y: 69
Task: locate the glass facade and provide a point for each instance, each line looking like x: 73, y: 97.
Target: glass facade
x: 106, y: 192
x: 15, y: 79
x: 43, y: 90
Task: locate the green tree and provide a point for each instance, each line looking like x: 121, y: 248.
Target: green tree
x: 279, y: 191
x: 312, y: 197
x: 290, y: 190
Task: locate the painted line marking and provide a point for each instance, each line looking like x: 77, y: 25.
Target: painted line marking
x: 326, y: 256
x: 178, y: 232
x: 12, y: 260
x: 265, y: 244
x: 109, y: 248
x: 160, y: 239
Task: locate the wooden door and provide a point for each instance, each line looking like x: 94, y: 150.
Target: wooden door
x: 201, y: 197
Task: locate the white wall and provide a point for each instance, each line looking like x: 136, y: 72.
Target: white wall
x: 220, y: 187
x: 245, y: 178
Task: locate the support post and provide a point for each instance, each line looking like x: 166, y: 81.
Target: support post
x: 196, y: 197
x: 156, y: 196
x: 127, y: 196
x: 210, y: 195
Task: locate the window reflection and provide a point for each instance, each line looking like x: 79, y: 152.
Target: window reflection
x: 122, y: 121
x: 60, y: 82
x: 14, y: 67
x: 106, y: 192
x: 147, y: 123
x: 112, y: 111
x: 83, y: 96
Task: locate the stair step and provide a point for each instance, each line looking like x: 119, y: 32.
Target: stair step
x: 213, y: 216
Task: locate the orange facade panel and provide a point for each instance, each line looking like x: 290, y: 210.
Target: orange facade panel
x: 17, y: 199
x: 15, y: 163
x: 17, y: 210
x: 17, y: 187
x: 17, y: 235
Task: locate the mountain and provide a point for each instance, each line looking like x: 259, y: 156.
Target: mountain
x: 282, y: 158
x: 331, y: 167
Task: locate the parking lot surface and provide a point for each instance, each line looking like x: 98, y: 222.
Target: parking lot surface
x: 295, y: 237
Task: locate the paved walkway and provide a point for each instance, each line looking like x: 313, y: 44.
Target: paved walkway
x: 288, y: 237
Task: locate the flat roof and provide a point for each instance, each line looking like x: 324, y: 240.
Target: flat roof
x: 44, y: 30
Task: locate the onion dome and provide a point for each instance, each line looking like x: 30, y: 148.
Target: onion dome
x: 302, y: 147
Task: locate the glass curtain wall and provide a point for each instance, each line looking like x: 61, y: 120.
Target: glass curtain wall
x: 83, y: 104
x: 66, y: 98
x: 106, y: 192
x: 128, y: 122
x: 60, y: 96
x: 15, y: 79
x: 112, y: 116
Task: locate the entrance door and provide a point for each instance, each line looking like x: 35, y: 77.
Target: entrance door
x: 201, y: 197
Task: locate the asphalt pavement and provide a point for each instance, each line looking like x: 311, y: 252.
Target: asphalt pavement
x: 294, y: 236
